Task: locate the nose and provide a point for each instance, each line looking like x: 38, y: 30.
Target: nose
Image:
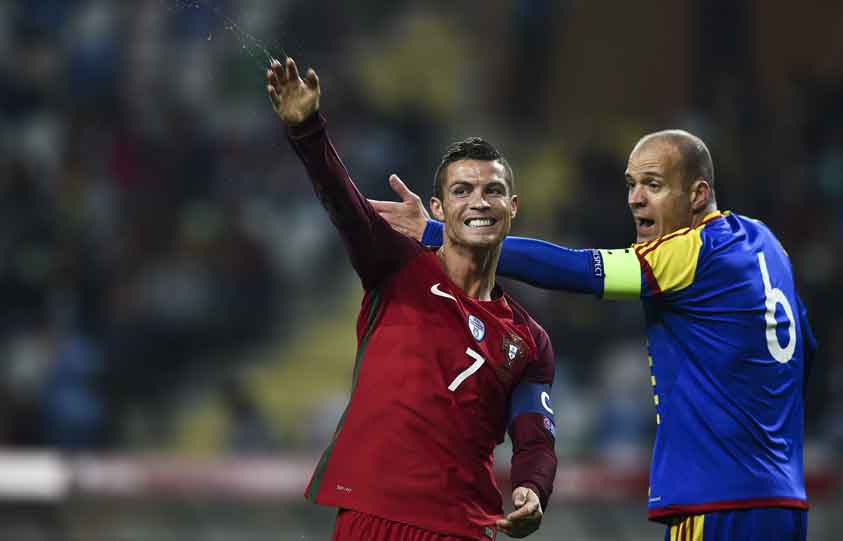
x: 479, y: 202
x: 635, y: 197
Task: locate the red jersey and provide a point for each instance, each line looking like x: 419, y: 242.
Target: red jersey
x: 434, y: 379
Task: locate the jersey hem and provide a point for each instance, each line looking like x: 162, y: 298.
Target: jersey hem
x: 663, y: 514
x: 473, y: 532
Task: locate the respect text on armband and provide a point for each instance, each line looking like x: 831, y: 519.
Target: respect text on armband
x: 597, y: 259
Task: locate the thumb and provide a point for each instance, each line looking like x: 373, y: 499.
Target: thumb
x: 400, y: 188
x: 519, y: 498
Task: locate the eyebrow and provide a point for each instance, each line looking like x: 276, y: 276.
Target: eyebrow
x: 645, y: 174
x: 473, y: 183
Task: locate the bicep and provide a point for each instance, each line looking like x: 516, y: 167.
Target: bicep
x: 532, y: 394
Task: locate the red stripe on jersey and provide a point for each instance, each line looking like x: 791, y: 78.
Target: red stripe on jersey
x: 649, y: 275
x: 644, y: 250
x: 699, y: 509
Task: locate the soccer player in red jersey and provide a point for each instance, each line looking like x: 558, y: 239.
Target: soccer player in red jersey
x: 447, y: 363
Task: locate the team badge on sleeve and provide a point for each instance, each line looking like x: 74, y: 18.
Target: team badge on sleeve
x: 548, y: 425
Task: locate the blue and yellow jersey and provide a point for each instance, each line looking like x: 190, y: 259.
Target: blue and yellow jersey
x: 729, y: 344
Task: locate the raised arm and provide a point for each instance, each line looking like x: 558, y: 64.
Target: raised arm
x: 375, y: 249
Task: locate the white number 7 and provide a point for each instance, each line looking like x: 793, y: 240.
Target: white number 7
x: 775, y: 296
x: 475, y: 366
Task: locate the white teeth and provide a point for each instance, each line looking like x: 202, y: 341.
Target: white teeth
x: 480, y: 222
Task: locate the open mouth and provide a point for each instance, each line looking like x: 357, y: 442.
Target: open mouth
x: 645, y: 222
x: 480, y: 222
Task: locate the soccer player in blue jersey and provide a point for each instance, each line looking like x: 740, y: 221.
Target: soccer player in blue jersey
x: 728, y: 337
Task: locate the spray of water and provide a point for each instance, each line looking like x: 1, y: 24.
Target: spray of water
x: 257, y: 49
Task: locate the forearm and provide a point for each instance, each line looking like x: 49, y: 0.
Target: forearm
x: 371, y: 244
x: 533, y: 458
x: 334, y: 188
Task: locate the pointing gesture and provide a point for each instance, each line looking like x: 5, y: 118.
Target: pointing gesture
x: 293, y: 99
x: 407, y: 216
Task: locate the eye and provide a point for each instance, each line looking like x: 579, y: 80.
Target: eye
x: 496, y: 190
x: 459, y: 190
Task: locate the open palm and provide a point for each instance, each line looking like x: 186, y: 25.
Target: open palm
x: 293, y: 98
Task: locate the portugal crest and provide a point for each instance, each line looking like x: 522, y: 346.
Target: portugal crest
x: 514, y: 349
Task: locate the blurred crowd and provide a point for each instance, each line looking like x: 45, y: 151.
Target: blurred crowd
x: 160, y: 249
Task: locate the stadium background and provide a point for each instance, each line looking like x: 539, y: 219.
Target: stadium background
x: 177, y: 322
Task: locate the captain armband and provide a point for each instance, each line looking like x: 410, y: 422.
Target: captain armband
x: 532, y: 398
x: 622, y: 274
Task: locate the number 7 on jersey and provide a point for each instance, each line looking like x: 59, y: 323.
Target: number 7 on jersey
x: 475, y: 366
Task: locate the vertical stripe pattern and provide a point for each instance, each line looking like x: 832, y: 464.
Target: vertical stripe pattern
x: 688, y: 529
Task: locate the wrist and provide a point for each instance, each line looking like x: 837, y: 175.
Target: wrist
x: 310, y: 125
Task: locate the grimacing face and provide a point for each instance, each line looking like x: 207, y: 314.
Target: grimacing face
x: 476, y: 206
x: 657, y: 197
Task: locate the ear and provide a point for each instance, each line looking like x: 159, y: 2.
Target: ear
x: 700, y: 195
x: 514, y: 206
x: 436, y: 209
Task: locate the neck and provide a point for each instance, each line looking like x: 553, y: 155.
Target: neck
x: 698, y: 218
x: 471, y: 269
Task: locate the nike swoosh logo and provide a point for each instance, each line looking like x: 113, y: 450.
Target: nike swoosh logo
x: 439, y: 293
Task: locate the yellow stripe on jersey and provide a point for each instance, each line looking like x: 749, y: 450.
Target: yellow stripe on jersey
x: 673, y: 259
x: 623, y: 274
x: 688, y: 529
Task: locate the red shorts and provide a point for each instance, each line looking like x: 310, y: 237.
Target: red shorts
x: 357, y: 526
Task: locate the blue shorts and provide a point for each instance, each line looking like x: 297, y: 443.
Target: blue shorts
x: 764, y: 524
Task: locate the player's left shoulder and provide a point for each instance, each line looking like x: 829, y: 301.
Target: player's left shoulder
x: 522, y: 318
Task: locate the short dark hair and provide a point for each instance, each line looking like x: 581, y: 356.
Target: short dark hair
x: 473, y: 148
x: 694, y: 155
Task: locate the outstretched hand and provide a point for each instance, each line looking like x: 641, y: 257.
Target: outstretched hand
x: 407, y: 216
x: 527, y: 516
x: 293, y: 99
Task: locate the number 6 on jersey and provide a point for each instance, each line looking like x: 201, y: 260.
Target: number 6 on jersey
x: 775, y: 296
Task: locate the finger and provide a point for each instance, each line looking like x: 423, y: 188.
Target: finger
x: 273, y: 81
x: 279, y: 71
x: 401, y: 189
x: 384, y: 206
x: 523, y: 512
x: 504, y: 525
x: 292, y: 70
x: 311, y: 79
x: 273, y: 96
